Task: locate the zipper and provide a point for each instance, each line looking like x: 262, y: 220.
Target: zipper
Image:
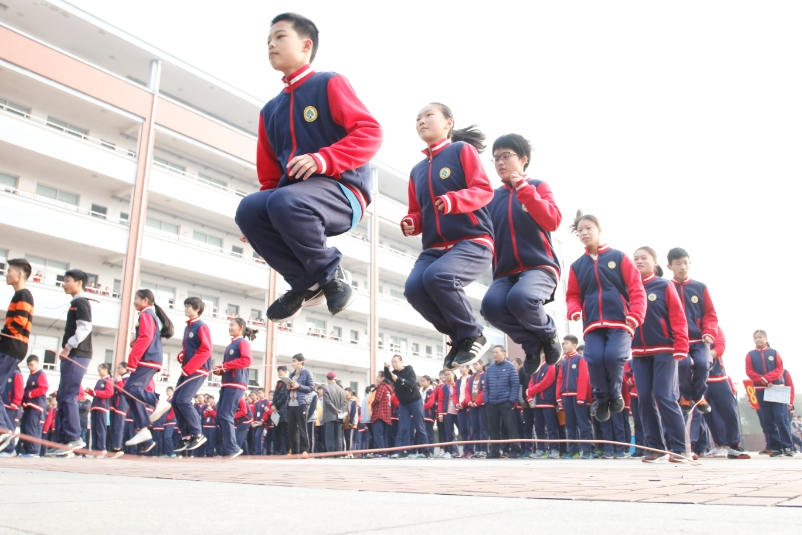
x: 431, y: 194
x: 292, y: 125
x: 598, y: 282
x: 512, y: 232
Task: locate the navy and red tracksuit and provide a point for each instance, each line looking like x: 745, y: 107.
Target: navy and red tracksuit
x: 633, y: 405
x: 765, y: 367
x: 34, y: 404
x: 542, y: 389
x: 429, y: 415
x: 478, y: 412
x: 463, y: 418
x: 257, y: 437
x: 169, y: 433
x: 317, y: 114
x: 702, y: 321
x: 209, y: 430
x: 525, y: 268
x: 657, y: 346
x: 573, y: 392
x: 723, y: 419
x: 12, y: 402
x: 447, y: 394
x: 99, y: 411
x: 236, y: 361
x: 242, y: 418
x: 457, y: 242
x: 196, y: 363
x: 119, y: 408
x: 607, y: 293
x: 144, y: 361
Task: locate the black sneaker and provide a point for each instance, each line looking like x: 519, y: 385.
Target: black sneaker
x: 617, y: 405
x: 531, y: 363
x: 289, y: 305
x: 471, y: 350
x: 702, y: 406
x: 515, y: 455
x: 146, y: 447
x: 789, y: 452
x: 196, y: 442
x: 776, y: 453
x: 602, y: 411
x: 492, y: 455
x: 182, y: 446
x: 338, y: 292
x: 737, y: 452
x: 552, y: 350
x: 452, y: 354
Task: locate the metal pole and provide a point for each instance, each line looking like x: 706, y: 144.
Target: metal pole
x: 373, y: 329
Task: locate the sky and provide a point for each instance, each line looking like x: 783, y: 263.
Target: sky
x: 676, y: 123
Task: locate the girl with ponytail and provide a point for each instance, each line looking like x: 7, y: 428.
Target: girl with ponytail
x: 144, y: 361
x: 234, y: 371
x: 448, y: 196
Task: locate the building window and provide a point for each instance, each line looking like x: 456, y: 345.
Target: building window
x: 165, y: 295
x: 355, y: 388
x: 39, y: 345
x: 415, y: 349
x: 14, y: 108
x: 237, y: 251
x: 55, y: 194
x: 354, y: 337
x: 205, y: 238
x: 108, y: 358
x: 208, y: 300
x: 67, y: 127
x: 46, y: 271
x: 232, y: 310
x: 398, y: 344
x: 315, y: 327
x: 117, y: 288
x: 395, y: 294
x: 336, y: 334
x: 213, y: 181
x: 439, y: 350
x: 169, y: 165
x: 99, y: 211
x: 158, y: 224
x: 124, y: 216
x: 256, y: 314
x: 253, y: 377
x: 429, y: 351
x: 8, y: 181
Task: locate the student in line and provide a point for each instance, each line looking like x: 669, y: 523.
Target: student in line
x: 234, y: 378
x: 99, y: 411
x: 34, y: 404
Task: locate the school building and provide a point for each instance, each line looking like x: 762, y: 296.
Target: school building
x: 123, y: 161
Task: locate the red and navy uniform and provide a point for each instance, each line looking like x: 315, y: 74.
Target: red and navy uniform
x: 463, y: 418
x: 242, y: 418
x: 196, y: 359
x: 257, y: 436
x: 209, y: 427
x: 702, y: 321
x: 317, y: 114
x: 525, y: 268
x: 169, y: 431
x: 144, y: 360
x: 632, y: 402
x: 34, y: 405
x: 480, y: 430
x: 457, y: 242
x: 447, y: 394
x: 765, y: 367
x: 236, y: 361
x: 725, y: 426
x: 607, y: 293
x: 12, y: 400
x: 573, y: 392
x: 119, y: 408
x: 99, y: 411
x: 542, y: 389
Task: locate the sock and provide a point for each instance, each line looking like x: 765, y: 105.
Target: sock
x: 315, y: 287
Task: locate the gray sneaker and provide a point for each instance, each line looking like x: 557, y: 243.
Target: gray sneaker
x: 554, y: 454
x: 70, y: 447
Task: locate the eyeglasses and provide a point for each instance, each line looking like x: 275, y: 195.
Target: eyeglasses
x: 503, y: 157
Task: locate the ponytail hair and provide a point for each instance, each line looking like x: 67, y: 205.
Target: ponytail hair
x: 657, y: 269
x: 582, y: 217
x: 470, y: 135
x: 166, y: 330
x: 247, y: 332
x: 761, y: 331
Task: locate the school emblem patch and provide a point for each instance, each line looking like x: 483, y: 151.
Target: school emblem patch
x: 694, y: 299
x: 573, y: 366
x: 445, y: 172
x: 310, y: 114
x: 524, y: 208
x: 611, y: 264
x: 652, y: 297
x: 191, y: 335
x: 770, y: 358
x: 231, y: 352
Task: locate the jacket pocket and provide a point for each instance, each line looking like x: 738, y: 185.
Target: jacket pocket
x: 473, y: 218
x: 665, y: 328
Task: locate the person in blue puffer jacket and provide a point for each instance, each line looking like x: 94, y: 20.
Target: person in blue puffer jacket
x: 500, y: 394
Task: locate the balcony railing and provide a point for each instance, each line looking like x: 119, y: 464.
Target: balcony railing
x: 81, y: 135
x: 67, y: 207
x: 211, y: 312
x: 331, y: 338
x: 397, y: 253
x: 196, y: 178
x: 205, y: 246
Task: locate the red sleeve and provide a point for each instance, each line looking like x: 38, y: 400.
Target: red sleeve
x: 789, y: 382
x: 441, y: 401
x: 40, y: 390
x: 479, y: 191
x: 751, y: 373
x: 536, y: 388
x: 625, y: 393
x: 540, y: 203
x: 583, y: 382
x: 242, y: 409
x: 245, y: 359
x: 108, y: 390
x: 363, y: 136
x: 268, y: 168
x: 709, y: 317
x: 480, y: 399
x: 18, y: 391
x: 414, y: 216
x: 151, y: 386
x: 678, y: 321
x: 394, y: 400
x: 559, y: 394
x: 430, y: 401
x: 202, y: 354
x: 573, y: 297
x: 720, y: 344
x: 637, y: 295
x: 777, y: 372
x: 147, y: 330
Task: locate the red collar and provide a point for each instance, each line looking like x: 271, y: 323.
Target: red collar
x: 193, y: 320
x: 650, y: 278
x: 297, y: 78
x: 599, y: 250
x: 436, y: 148
x: 683, y: 283
x: 571, y: 355
x: 236, y: 338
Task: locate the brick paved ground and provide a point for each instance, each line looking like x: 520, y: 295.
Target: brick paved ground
x: 757, y: 482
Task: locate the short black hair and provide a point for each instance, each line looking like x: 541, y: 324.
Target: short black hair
x: 196, y: 303
x: 32, y: 358
x: 78, y: 276
x: 571, y: 338
x: 504, y: 349
x: 123, y: 365
x: 104, y: 366
x: 517, y: 143
x: 281, y: 369
x: 676, y: 253
x: 299, y: 357
x: 21, y: 264
x: 304, y: 27
x: 580, y: 347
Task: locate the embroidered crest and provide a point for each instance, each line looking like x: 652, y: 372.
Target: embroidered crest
x: 694, y: 299
x: 524, y: 208
x: 573, y: 366
x: 231, y: 352
x: 652, y: 297
x: 310, y: 114
x: 445, y: 172
x: 10, y: 379
x: 611, y: 264
x: 771, y: 357
x: 191, y: 335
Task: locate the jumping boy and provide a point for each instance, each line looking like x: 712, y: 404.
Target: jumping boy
x: 693, y: 370
x: 315, y: 141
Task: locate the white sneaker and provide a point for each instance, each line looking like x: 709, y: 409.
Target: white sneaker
x: 7, y: 454
x: 712, y: 453
x: 5, y: 438
x: 162, y: 406
x: 446, y: 455
x: 101, y: 454
x: 116, y: 454
x: 143, y: 435
x: 721, y: 453
x: 235, y: 454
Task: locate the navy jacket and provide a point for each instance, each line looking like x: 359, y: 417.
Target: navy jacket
x: 236, y: 360
x: 543, y: 387
x: 699, y: 309
x: 147, y: 351
x: 501, y: 383
x: 664, y: 329
x: 764, y: 366
x: 196, y: 356
x: 35, y: 396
